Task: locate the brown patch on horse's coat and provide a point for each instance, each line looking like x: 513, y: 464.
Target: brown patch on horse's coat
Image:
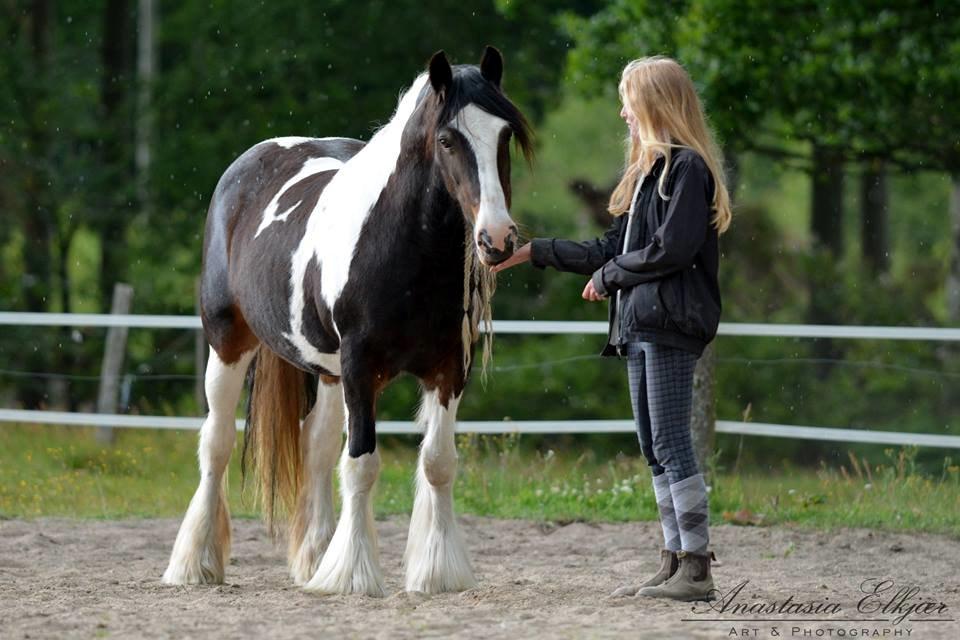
x: 229, y: 334
x: 448, y: 378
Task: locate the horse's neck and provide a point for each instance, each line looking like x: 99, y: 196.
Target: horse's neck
x: 427, y: 215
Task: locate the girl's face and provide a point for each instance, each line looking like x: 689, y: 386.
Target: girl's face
x: 627, y: 115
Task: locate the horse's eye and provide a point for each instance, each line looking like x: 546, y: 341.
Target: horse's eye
x: 445, y: 143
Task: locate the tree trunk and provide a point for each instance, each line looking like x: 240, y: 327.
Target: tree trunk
x: 826, y: 230
x: 64, y: 360
x: 874, y: 215
x: 953, y: 276
x: 39, y: 222
x: 733, y: 174
x: 115, y: 160
x: 703, y: 420
x: 146, y: 50
x: 949, y: 352
x: 827, y: 214
x: 113, y: 353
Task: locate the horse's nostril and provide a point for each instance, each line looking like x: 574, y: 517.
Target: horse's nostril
x: 484, y: 241
x: 493, y: 255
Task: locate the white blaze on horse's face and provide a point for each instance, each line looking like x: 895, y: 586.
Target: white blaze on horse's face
x: 495, y: 233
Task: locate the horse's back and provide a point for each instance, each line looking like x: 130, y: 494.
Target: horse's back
x: 256, y: 218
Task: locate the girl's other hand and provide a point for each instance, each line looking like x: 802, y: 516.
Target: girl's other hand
x: 519, y: 256
x: 590, y: 293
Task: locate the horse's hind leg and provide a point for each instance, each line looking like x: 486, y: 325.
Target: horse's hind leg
x: 314, y: 521
x: 203, y: 543
x: 436, y: 557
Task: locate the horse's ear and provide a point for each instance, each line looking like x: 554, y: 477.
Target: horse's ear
x: 441, y: 75
x: 491, y: 66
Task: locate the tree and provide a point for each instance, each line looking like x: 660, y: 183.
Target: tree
x: 227, y: 77
x: 817, y: 85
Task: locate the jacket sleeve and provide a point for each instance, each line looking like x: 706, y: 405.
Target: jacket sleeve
x: 576, y: 257
x: 675, y: 242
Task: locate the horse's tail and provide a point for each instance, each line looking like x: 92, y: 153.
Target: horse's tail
x: 272, y: 441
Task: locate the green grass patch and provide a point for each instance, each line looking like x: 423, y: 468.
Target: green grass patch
x: 62, y: 471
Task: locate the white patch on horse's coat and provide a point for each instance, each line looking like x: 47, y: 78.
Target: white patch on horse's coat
x: 202, y: 547
x: 288, y: 141
x: 311, y: 167
x: 436, y: 557
x: 482, y: 130
x: 333, y: 228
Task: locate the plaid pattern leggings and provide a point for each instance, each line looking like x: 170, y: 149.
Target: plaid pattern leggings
x: 661, y: 390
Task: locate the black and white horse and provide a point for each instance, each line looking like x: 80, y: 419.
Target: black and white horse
x: 354, y: 262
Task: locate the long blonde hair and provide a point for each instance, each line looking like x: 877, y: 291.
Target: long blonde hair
x: 663, y: 99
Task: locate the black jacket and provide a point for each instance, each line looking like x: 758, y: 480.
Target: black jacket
x: 668, y: 278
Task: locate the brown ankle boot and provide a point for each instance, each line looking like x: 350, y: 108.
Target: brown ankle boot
x: 692, y: 581
x: 668, y: 567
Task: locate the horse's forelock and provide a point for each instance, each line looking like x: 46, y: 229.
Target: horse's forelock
x: 470, y: 87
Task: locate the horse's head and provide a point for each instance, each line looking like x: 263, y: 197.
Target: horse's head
x: 470, y: 144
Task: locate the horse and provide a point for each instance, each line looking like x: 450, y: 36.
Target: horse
x: 348, y: 264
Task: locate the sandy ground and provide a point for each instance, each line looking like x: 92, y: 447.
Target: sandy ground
x: 83, y: 579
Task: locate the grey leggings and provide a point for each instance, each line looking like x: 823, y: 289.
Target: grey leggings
x: 661, y: 390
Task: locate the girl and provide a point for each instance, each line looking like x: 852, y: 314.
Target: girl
x: 658, y: 266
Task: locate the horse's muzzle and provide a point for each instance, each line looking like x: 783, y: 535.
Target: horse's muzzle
x: 490, y: 254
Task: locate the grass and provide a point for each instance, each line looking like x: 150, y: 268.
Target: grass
x: 61, y: 471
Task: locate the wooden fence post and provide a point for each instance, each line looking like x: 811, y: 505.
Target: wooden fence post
x: 113, y: 360
x: 199, y: 359
x: 703, y: 420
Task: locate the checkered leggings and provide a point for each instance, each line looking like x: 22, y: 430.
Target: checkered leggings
x: 661, y: 390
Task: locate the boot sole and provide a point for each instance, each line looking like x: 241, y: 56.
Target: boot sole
x: 699, y: 598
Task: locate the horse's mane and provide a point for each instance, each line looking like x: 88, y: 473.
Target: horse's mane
x: 470, y: 87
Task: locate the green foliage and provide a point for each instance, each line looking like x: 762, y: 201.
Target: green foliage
x: 865, y: 77
x: 227, y: 77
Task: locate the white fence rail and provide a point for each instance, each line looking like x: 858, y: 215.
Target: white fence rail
x: 519, y: 426
x: 507, y: 426
x: 16, y: 318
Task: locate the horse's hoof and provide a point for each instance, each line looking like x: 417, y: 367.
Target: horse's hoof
x: 196, y: 574
x: 338, y: 578
x: 333, y: 586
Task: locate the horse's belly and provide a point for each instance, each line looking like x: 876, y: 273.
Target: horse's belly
x: 299, y: 331
x: 316, y: 363
x: 309, y: 359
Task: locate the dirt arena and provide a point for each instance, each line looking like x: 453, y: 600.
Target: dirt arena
x: 88, y: 579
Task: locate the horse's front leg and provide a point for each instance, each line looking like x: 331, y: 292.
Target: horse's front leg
x: 351, y: 563
x: 436, y: 557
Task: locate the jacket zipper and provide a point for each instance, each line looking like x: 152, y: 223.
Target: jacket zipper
x: 626, y: 247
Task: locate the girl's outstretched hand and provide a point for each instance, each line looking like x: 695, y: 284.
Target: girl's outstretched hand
x: 590, y: 293
x: 519, y: 256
